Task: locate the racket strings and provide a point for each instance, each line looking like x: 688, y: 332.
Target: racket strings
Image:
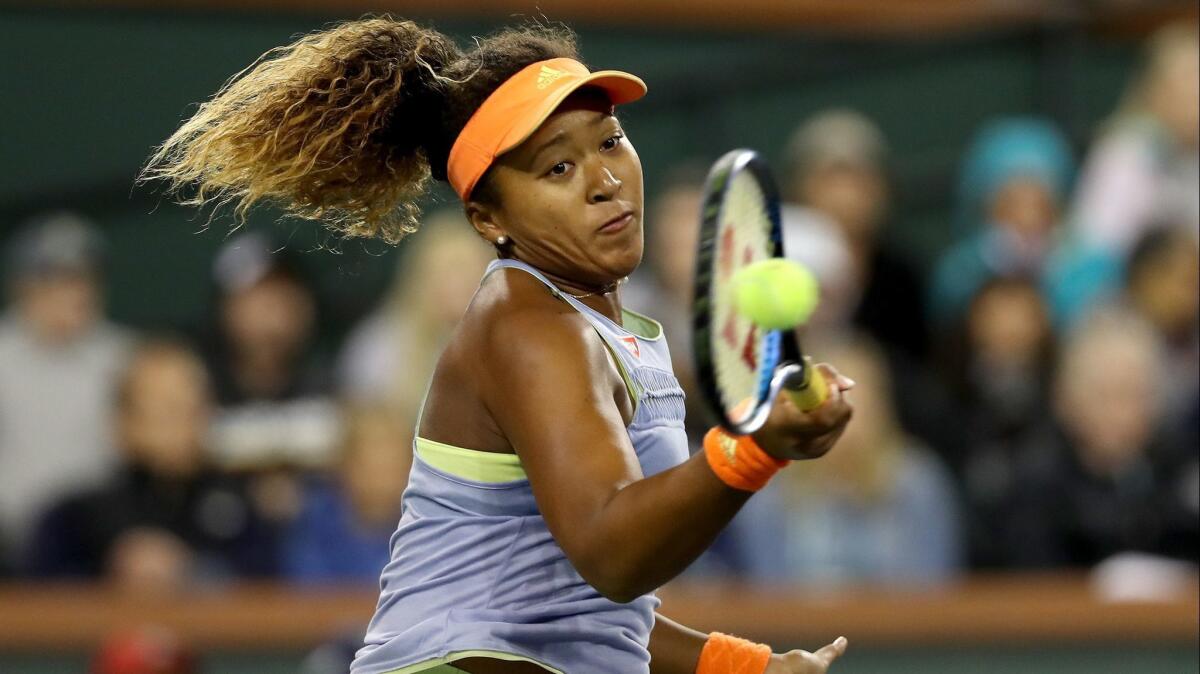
x: 744, y: 356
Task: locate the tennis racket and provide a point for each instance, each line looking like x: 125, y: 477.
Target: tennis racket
x: 740, y: 366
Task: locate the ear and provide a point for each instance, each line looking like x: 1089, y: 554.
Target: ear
x: 485, y: 219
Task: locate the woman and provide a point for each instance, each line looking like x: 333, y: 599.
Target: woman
x: 1015, y: 178
x: 1142, y: 168
x: 551, y: 492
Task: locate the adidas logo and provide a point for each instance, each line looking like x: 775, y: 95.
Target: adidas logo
x: 728, y: 448
x: 547, y: 76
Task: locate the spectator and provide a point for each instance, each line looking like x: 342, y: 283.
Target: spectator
x: 881, y: 507
x: 838, y: 172
x: 391, y: 355
x: 1144, y: 167
x: 1094, y: 482
x: 276, y: 418
x: 59, y: 359
x: 343, y: 530
x: 273, y: 394
x: 999, y: 373
x: 1162, y: 285
x: 166, y: 517
x: 1015, y: 179
x: 836, y: 225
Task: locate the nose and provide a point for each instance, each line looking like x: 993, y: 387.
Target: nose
x: 604, y: 186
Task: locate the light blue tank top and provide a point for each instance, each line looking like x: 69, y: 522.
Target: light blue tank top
x: 474, y: 569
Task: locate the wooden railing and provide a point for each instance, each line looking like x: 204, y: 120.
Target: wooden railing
x: 1029, y: 610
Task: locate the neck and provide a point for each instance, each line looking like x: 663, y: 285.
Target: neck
x: 605, y: 298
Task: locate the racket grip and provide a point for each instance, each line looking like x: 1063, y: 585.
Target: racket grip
x: 812, y: 391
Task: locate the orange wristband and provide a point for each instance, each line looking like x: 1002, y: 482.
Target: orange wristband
x: 724, y: 654
x: 739, y: 461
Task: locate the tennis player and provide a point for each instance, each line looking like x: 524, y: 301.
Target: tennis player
x: 551, y: 492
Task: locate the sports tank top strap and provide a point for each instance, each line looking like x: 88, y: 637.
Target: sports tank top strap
x: 508, y: 263
x: 617, y: 339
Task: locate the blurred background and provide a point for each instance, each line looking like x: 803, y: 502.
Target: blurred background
x: 205, y: 433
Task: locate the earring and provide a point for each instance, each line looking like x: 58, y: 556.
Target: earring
x: 502, y: 240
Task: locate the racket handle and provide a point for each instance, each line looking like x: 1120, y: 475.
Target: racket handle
x: 812, y: 391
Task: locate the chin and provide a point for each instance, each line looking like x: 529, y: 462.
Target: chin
x: 627, y: 260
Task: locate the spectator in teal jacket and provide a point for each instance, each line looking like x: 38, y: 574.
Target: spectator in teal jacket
x: 1015, y: 180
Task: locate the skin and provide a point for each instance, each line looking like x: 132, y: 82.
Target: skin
x: 267, y: 326
x: 165, y: 410
x: 624, y: 533
x: 60, y: 308
x: 162, y: 421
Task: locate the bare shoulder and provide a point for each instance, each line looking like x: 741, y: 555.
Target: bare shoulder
x: 516, y: 323
x: 519, y: 357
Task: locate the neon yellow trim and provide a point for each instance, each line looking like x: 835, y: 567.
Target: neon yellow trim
x: 441, y: 666
x: 493, y: 467
x: 641, y: 325
x: 470, y: 464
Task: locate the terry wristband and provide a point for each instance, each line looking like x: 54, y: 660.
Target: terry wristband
x: 724, y: 654
x: 738, y: 461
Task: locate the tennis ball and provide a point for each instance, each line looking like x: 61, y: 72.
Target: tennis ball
x: 776, y: 294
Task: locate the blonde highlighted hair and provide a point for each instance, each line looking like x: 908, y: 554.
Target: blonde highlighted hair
x: 345, y: 126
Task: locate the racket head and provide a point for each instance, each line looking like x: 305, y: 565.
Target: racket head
x: 740, y: 367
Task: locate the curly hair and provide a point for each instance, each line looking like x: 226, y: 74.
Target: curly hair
x: 346, y: 125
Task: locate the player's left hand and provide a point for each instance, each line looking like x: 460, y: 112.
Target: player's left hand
x: 795, y: 435
x: 803, y: 662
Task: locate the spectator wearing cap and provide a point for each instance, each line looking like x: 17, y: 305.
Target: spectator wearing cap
x: 1015, y: 179
x: 276, y: 419
x: 838, y: 168
x: 836, y: 225
x: 272, y: 388
x: 59, y: 360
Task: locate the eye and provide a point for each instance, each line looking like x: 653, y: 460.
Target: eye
x: 559, y: 169
x: 612, y: 142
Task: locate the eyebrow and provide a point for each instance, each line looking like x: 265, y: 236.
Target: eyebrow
x: 561, y: 136
x: 556, y: 139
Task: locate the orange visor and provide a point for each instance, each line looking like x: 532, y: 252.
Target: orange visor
x: 519, y: 106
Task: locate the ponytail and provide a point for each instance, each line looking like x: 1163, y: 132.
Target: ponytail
x: 344, y: 126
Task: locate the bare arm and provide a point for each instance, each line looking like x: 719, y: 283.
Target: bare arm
x: 554, y: 399
x: 674, y: 649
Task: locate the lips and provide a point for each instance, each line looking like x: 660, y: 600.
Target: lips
x: 617, y: 224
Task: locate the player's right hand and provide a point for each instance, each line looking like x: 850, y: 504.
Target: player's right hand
x: 803, y: 662
x: 794, y: 435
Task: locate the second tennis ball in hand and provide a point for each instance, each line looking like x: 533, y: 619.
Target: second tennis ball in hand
x: 776, y: 294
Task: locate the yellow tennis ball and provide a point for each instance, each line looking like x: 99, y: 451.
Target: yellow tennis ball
x: 776, y: 294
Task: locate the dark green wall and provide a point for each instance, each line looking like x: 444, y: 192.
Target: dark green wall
x: 90, y: 92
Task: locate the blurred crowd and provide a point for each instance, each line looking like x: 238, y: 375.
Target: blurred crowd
x: 1030, y: 401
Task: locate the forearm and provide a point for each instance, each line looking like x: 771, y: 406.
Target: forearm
x: 674, y: 649
x: 652, y: 529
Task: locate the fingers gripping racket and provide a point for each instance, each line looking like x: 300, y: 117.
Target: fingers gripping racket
x: 741, y: 365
